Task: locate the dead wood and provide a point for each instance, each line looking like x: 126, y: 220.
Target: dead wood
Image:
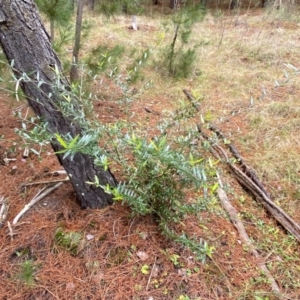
x: 3, y: 210
x: 233, y: 215
x: 246, y: 169
x: 191, y: 99
x: 247, y: 177
x: 249, y: 180
x: 44, y: 182
x: 34, y: 200
x: 255, y: 187
x: 151, y: 111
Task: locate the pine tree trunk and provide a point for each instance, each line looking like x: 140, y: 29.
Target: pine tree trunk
x: 92, y: 4
x: 233, y: 4
x: 27, y: 47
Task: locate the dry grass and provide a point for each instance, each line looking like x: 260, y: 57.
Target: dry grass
x: 247, y: 75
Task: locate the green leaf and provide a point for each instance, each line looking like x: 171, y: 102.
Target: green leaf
x: 214, y: 187
x: 61, y: 140
x: 145, y: 269
x: 73, y: 142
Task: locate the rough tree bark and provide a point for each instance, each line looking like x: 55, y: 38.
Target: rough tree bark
x: 25, y: 41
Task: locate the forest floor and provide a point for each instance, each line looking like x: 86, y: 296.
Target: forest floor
x: 250, y: 83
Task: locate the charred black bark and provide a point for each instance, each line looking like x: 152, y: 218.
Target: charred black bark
x: 27, y: 47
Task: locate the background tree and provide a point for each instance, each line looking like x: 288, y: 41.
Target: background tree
x: 114, y: 7
x: 57, y: 11
x: 179, y: 57
x: 91, y: 4
x: 37, y: 68
x: 173, y: 3
x: 76, y: 47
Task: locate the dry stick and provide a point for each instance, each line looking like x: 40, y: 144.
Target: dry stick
x: 192, y: 100
x: 237, y: 222
x: 3, y: 211
x: 279, y: 214
x: 37, y: 198
x: 231, y: 147
x: 233, y: 215
x: 11, y: 233
x: 48, y: 291
x: 150, y: 276
x: 239, y: 158
x: 58, y: 172
x: 250, y: 185
x: 44, y: 182
x: 250, y: 180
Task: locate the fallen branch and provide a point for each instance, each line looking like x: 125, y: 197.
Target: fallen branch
x: 233, y: 215
x: 246, y: 169
x: 11, y: 232
x: 44, y: 182
x: 150, y: 276
x: 191, y: 99
x: 151, y: 111
x: 35, y: 199
x: 248, y: 179
x: 58, y: 172
x: 278, y: 213
x: 3, y: 211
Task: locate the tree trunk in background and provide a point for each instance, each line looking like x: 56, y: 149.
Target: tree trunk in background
x: 25, y: 41
x: 74, y: 68
x: 92, y: 4
x: 73, y: 4
x: 204, y: 3
x: 173, y: 4
x: 233, y: 4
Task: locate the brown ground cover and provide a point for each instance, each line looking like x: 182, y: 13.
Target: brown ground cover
x: 120, y: 257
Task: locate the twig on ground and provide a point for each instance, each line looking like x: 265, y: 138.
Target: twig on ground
x: 233, y: 215
x: 20, y: 107
x: 246, y: 169
x: 3, y: 211
x: 191, y: 99
x: 250, y: 181
x: 46, y: 289
x: 278, y: 213
x: 11, y: 232
x: 150, y: 276
x: 44, y: 182
x: 151, y: 111
x: 58, y: 172
x: 36, y: 198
